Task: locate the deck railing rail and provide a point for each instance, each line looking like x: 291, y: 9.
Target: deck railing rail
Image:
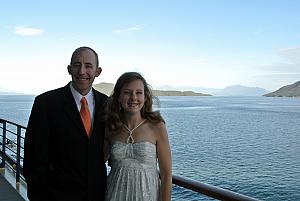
x: 12, y: 149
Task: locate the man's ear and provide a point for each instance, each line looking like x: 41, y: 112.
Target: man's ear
x: 98, y: 71
x: 69, y: 69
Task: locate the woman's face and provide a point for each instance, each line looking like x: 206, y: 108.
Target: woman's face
x: 132, y: 97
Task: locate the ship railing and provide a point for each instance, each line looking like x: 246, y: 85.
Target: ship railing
x: 12, y: 154
x: 12, y: 147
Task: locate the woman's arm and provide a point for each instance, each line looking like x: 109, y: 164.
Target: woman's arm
x: 165, y: 162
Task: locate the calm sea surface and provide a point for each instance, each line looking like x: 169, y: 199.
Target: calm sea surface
x: 250, y: 145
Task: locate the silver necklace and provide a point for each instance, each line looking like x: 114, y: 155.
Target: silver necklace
x: 130, y: 137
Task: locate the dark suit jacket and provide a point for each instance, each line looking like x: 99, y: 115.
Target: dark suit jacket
x: 60, y: 162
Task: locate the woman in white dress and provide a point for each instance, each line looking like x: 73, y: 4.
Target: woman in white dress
x: 136, y: 144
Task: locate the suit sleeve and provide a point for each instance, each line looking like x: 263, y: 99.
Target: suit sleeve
x: 36, y: 151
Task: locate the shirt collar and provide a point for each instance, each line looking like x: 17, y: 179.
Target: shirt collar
x: 77, y: 96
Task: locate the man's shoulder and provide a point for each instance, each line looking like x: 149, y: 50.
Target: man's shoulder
x: 52, y: 94
x: 99, y: 94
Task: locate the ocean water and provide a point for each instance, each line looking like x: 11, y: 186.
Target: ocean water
x: 16, y: 108
x: 250, y: 145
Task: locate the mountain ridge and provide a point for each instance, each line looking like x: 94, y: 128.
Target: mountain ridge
x: 166, y: 90
x: 291, y: 90
x: 12, y: 93
x: 232, y: 90
x: 240, y: 90
x: 107, y: 88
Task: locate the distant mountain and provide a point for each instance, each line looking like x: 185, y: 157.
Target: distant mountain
x: 234, y: 90
x: 204, y: 90
x: 107, y: 88
x: 292, y: 90
x: 239, y: 90
x: 104, y: 87
x: 4, y: 91
x: 177, y: 93
x: 10, y: 93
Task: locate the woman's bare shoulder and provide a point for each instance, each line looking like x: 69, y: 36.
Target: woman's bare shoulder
x: 159, y: 129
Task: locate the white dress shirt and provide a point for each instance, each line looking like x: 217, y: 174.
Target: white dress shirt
x: 89, y: 97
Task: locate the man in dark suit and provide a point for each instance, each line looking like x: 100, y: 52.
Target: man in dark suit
x: 63, y: 154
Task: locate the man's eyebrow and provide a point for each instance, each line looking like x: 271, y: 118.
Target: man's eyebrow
x: 76, y: 62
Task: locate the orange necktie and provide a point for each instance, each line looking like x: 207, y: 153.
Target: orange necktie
x: 85, y: 115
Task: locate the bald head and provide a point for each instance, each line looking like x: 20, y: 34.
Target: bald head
x: 82, y: 49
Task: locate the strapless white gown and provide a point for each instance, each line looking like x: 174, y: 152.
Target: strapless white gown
x: 133, y: 175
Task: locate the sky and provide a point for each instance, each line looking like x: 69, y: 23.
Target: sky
x: 179, y: 43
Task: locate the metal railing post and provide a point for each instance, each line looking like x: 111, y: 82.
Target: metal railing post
x: 2, y: 165
x: 18, y: 165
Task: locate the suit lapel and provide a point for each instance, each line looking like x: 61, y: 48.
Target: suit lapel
x: 71, y: 110
x: 98, y: 112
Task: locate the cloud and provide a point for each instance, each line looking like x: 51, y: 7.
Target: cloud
x: 289, y: 62
x: 273, y: 81
x: 280, y: 75
x: 292, y: 53
x: 28, y: 31
x: 281, y: 68
x: 130, y: 29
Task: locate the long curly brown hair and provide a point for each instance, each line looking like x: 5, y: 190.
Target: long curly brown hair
x: 114, y: 114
